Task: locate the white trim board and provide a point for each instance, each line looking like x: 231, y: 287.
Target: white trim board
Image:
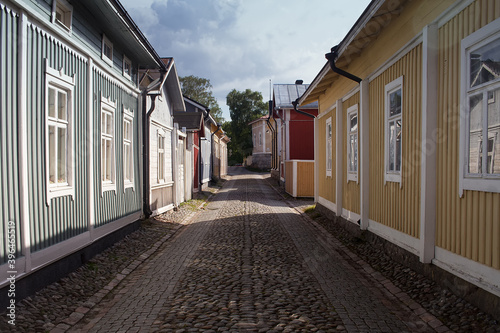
x: 471, y: 271
x: 328, y: 204
x: 398, y: 238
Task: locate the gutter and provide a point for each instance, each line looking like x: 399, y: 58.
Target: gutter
x: 295, y: 103
x: 331, y: 57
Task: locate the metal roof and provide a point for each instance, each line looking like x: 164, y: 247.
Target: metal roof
x: 285, y: 94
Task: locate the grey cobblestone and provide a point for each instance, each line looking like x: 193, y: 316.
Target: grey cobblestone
x: 248, y: 262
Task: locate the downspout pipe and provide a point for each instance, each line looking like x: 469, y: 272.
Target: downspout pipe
x: 146, y: 116
x: 145, y: 156
x: 212, y: 150
x: 295, y: 103
x: 331, y: 57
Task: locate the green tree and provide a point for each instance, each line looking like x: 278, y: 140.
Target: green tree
x: 244, y: 107
x: 200, y: 90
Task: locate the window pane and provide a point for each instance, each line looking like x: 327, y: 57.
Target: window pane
x: 109, y: 160
x: 52, y: 155
x: 484, y: 63
x: 392, y: 141
x: 493, y: 161
x: 109, y: 124
x: 103, y: 122
x: 398, y: 145
x: 126, y: 162
x: 61, y: 155
x: 61, y: 105
x: 395, y: 103
x: 475, y: 133
x: 353, y: 122
x: 52, y: 103
x: 353, y: 152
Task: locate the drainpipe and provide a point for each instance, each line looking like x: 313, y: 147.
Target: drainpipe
x: 145, y: 152
x: 294, y: 103
x: 212, y: 150
x: 331, y: 57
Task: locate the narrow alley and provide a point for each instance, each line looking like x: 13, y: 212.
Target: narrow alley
x: 251, y: 263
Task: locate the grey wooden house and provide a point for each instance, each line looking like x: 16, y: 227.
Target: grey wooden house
x: 70, y: 128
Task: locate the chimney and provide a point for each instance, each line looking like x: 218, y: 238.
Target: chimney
x: 299, y: 81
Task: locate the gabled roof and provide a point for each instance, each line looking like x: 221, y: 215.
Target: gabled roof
x: 153, y: 80
x: 285, y: 94
x: 261, y: 118
x: 489, y: 70
x: 367, y: 28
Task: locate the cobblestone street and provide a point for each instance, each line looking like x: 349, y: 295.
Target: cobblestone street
x: 250, y: 263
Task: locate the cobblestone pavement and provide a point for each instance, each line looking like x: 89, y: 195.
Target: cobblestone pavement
x: 250, y: 263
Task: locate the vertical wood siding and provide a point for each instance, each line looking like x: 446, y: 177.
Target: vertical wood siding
x: 467, y: 226
x: 112, y: 205
x: 326, y: 185
x: 289, y: 177
x: 305, y: 179
x: 351, y: 190
x: 9, y: 172
x: 64, y: 217
x: 391, y: 205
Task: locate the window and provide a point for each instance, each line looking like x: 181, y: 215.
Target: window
x: 62, y: 13
x: 127, y: 67
x: 393, y: 123
x: 128, y: 160
x: 329, y: 147
x: 59, y: 134
x: 260, y: 139
x: 254, y: 140
x: 480, y: 121
x: 107, y: 50
x: 352, y: 143
x: 108, y: 145
x: 161, y: 158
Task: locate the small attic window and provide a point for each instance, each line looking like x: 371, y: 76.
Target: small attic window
x: 107, y: 50
x: 62, y: 13
x: 127, y: 67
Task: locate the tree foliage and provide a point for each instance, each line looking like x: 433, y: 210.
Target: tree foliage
x: 244, y: 107
x: 200, y: 90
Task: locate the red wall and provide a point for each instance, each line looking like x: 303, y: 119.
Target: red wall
x: 302, y: 140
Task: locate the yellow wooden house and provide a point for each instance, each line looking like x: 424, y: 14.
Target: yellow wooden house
x: 407, y: 136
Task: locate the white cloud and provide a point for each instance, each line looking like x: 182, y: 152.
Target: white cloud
x: 240, y: 44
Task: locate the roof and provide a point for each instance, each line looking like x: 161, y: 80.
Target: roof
x: 261, y: 118
x: 189, y: 120
x: 366, y: 29
x: 285, y: 94
x: 119, y: 27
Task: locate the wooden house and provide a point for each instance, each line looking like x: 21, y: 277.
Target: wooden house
x: 262, y: 143
x: 164, y: 180
x: 407, y: 144
x: 71, y: 123
x: 295, y: 139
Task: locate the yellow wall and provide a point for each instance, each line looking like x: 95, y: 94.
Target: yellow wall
x: 468, y: 226
x: 391, y: 204
x: 326, y: 185
x: 350, y: 191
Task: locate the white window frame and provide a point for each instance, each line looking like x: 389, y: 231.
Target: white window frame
x: 58, y: 80
x: 127, y: 61
x: 352, y: 175
x: 128, y: 117
x: 329, y: 142
x: 106, y: 41
x: 160, y: 156
x: 482, y: 181
x: 392, y: 175
x: 108, y: 108
x: 66, y: 10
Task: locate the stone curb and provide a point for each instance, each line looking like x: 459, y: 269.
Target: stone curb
x: 80, y: 312
x: 388, y: 286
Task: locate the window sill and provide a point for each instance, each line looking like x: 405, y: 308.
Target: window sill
x: 106, y: 187
x: 61, y: 191
x: 392, y: 178
x: 480, y: 184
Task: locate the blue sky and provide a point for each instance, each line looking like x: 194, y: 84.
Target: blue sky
x: 240, y: 44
